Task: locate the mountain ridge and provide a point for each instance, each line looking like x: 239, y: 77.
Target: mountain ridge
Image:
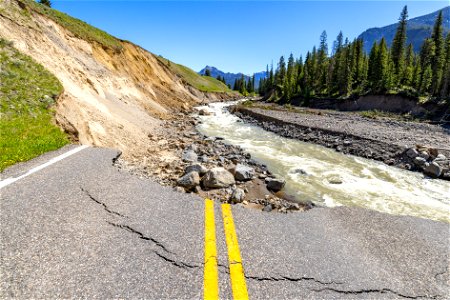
x: 418, y: 29
x: 231, y: 77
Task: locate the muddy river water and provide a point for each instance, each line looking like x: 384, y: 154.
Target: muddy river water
x: 330, y: 178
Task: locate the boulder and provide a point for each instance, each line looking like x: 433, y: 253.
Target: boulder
x: 335, y: 180
x: 299, y: 171
x: 441, y: 156
x: 179, y: 189
x: 201, y: 170
x: 420, y: 161
x: 274, y: 184
x: 433, y: 170
x: 411, y: 152
x: 237, y: 196
x: 189, y: 155
x: 189, y: 180
x: 424, y: 154
x: 268, y: 208
x: 243, y: 173
x: 204, y: 112
x: 218, y: 178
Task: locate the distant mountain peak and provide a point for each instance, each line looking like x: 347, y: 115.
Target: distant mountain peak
x: 231, y: 77
x: 418, y: 29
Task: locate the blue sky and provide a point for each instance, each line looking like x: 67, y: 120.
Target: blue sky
x: 237, y: 36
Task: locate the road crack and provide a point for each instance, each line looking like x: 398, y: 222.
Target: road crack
x: 105, y: 207
x: 178, y: 264
x: 173, y: 262
x: 141, y: 235
x: 370, y: 291
x: 286, y: 278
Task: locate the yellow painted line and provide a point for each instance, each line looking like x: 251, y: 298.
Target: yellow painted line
x: 238, y: 285
x: 210, y: 275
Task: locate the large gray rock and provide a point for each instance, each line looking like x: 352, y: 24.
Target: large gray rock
x: 420, y: 161
x: 243, y: 173
x: 433, y: 170
x: 201, y: 170
x: 411, y: 152
x: 189, y: 181
x: 275, y: 184
x: 425, y: 155
x: 237, y: 196
x: 189, y: 155
x: 218, y: 178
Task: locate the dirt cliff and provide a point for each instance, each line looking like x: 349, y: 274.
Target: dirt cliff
x: 114, y: 96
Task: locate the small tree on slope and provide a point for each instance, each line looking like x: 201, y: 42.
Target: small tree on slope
x: 46, y: 2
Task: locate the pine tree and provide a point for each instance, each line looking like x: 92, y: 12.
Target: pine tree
x: 359, y: 62
x: 381, y: 67
x: 306, y: 82
x: 437, y: 60
x: 271, y: 77
x: 313, y: 71
x: 346, y: 77
x: 336, y: 64
x: 415, y: 81
x: 236, y: 85
x: 337, y: 45
x: 408, y: 71
x: 300, y: 74
x: 427, y: 54
x: 242, y: 87
x: 281, y: 72
x: 323, y: 63
x: 445, y: 85
x: 46, y: 2
x: 289, y: 80
x: 398, y: 44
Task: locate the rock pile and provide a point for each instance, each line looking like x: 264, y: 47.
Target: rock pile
x: 193, y: 163
x: 429, y: 161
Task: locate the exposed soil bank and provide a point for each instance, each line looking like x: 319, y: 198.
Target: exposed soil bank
x: 388, y: 103
x: 383, y: 140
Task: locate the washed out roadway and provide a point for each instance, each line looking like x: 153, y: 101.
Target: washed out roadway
x: 81, y: 228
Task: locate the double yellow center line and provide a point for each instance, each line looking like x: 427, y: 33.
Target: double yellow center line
x: 211, y: 274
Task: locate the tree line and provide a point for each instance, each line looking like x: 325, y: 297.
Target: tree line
x: 349, y: 71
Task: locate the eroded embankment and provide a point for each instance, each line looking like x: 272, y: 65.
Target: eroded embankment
x: 386, y: 141
x: 114, y: 95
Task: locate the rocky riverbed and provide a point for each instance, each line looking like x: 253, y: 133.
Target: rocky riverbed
x: 408, y: 145
x: 192, y: 163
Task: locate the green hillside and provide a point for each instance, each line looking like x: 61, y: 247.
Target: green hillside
x: 89, y: 33
x: 201, y: 83
x: 27, y: 94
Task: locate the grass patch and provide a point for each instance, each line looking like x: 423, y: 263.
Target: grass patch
x: 79, y: 28
x: 27, y: 94
x: 202, y: 83
x: 378, y: 114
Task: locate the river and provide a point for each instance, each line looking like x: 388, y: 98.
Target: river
x: 330, y: 178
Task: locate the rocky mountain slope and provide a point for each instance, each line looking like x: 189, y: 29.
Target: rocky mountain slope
x: 418, y: 30
x: 115, y: 93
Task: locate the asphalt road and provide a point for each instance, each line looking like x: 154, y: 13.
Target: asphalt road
x: 81, y: 228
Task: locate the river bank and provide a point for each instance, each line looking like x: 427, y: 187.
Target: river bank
x: 193, y: 152
x: 407, y: 145
x: 182, y: 157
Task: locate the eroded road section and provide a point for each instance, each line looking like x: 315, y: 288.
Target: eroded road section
x: 80, y: 228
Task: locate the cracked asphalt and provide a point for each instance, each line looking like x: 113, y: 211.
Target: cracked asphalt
x: 81, y: 228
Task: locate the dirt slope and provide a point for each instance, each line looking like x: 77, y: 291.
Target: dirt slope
x: 112, y: 98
